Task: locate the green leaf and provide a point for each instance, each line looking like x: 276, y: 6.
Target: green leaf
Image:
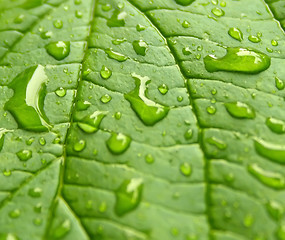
x: 142, y: 120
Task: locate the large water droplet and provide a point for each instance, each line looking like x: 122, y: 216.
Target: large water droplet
x: 272, y: 151
x: 275, y: 209
x: 91, y: 123
x: 238, y: 60
x: 184, y: 2
x: 240, y: 110
x: 117, y: 19
x: 105, y: 72
x: 128, y: 196
x: 27, y: 103
x: 163, y: 89
x: 58, y: 24
x: 59, y: 50
x: 62, y: 230
x: 236, y: 33
x: 140, y: 47
x: 79, y: 145
x: 115, y: 55
x: 270, y: 179
x: 24, y: 155
x: 148, y: 111
x: 254, y: 39
x: 118, y: 143
x: 279, y: 83
x: 60, y: 92
x: 218, y: 12
x: 106, y: 98
x: 275, y: 125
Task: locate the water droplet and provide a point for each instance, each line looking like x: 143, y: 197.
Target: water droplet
x: 184, y: 2
x: 103, y: 207
x: 117, y: 19
x: 78, y: 14
x: 107, y: 7
x: 186, y: 51
x: 275, y: 209
x: 58, y: 50
x: 214, y: 91
x: 46, y: 35
x: 248, y: 220
x: 61, y: 92
x: 24, y: 155
x: 254, y: 39
x: 240, y: 110
x: 27, y: 103
x: 140, y: 47
x: 188, y: 134
x: 140, y: 28
x: 106, y: 98
x: 35, y: 192
x: 30, y: 141
x: 217, y: 142
x: 58, y: 24
x: 211, y: 110
x: 163, y: 89
x: 128, y: 196
x: 236, y: 33
x: 8, y: 236
x: 274, y: 43
x: 185, y: 24
x: 83, y: 105
x: 269, y: 50
x: 79, y: 146
x: 118, y: 115
x: 62, y: 229
x: 105, y: 72
x: 238, y: 60
x: 149, y: 158
x: 15, y: 213
x: 270, y: 179
x: 42, y: 141
x: 218, y: 12
x: 19, y: 19
x: 279, y: 83
x: 185, y: 169
x: 38, y: 221
x: 38, y: 208
x: 148, y: 111
x: 223, y: 4
x: 272, y: 151
x: 179, y: 98
x: 115, y: 55
x: 119, y: 41
x: 118, y: 143
x: 7, y: 173
x: 91, y: 123
x: 275, y: 125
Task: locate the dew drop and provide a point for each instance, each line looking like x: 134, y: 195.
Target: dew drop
x: 163, y: 89
x: 7, y: 173
x: 15, y: 213
x: 118, y: 143
x: 149, y: 159
x: 117, y: 19
x: 24, y: 155
x: 184, y: 2
x: 107, y: 7
x: 46, y: 35
x: 58, y: 24
x: 188, y: 134
x: 118, y: 115
x: 60, y: 92
x: 275, y: 125
x: 140, y: 47
x: 38, y: 221
x: 186, y: 51
x: 185, y: 169
x: 211, y: 110
x: 62, y: 229
x: 103, y: 207
x: 236, y: 33
x: 19, y: 19
x: 78, y: 14
x: 185, y: 24
x: 254, y: 39
x: 79, y: 146
x: 240, y: 110
x: 35, y: 192
x: 140, y: 28
x: 275, y: 209
x: 106, y: 98
x: 83, y: 105
x: 280, y: 85
x: 274, y: 43
x: 270, y: 179
x: 58, y: 50
x: 115, y: 55
x: 128, y: 196
x: 248, y: 220
x: 218, y: 12
x: 105, y: 72
x: 91, y: 123
x: 217, y: 143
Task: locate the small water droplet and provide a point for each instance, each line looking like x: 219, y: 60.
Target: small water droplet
x: 15, y: 213
x: 30, y: 141
x: 140, y: 28
x: 38, y: 221
x: 79, y: 146
x: 223, y: 4
x: 119, y: 41
x: 128, y: 196
x: 107, y: 7
x: 179, y: 98
x: 62, y: 229
x: 217, y: 142
x: 149, y: 159
x: 60, y: 92
x: 148, y: 111
x: 117, y: 19
x: 42, y: 141
x: 269, y: 50
x: 58, y: 24
x: 19, y: 19
x: 106, y: 98
x: 188, y: 134
x: 46, y: 35
x: 280, y: 85
x: 218, y: 12
x: 58, y: 50
x: 185, y: 24
x: 185, y: 169
x: 24, y: 155
x: 163, y: 89
x: 77, y: 2
x: 91, y: 123
x: 78, y: 14
x: 118, y: 115
x: 35, y: 192
x: 38, y: 208
x: 115, y: 55
x: 118, y: 143
x: 7, y: 173
x: 240, y: 110
x: 211, y: 110
x: 248, y: 220
x: 274, y: 42
x: 186, y: 51
x: 275, y: 125
x: 254, y: 39
x: 275, y: 209
x: 83, y: 105
x: 270, y: 179
x: 238, y: 60
x: 105, y: 72
x: 236, y: 33
x: 140, y: 47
